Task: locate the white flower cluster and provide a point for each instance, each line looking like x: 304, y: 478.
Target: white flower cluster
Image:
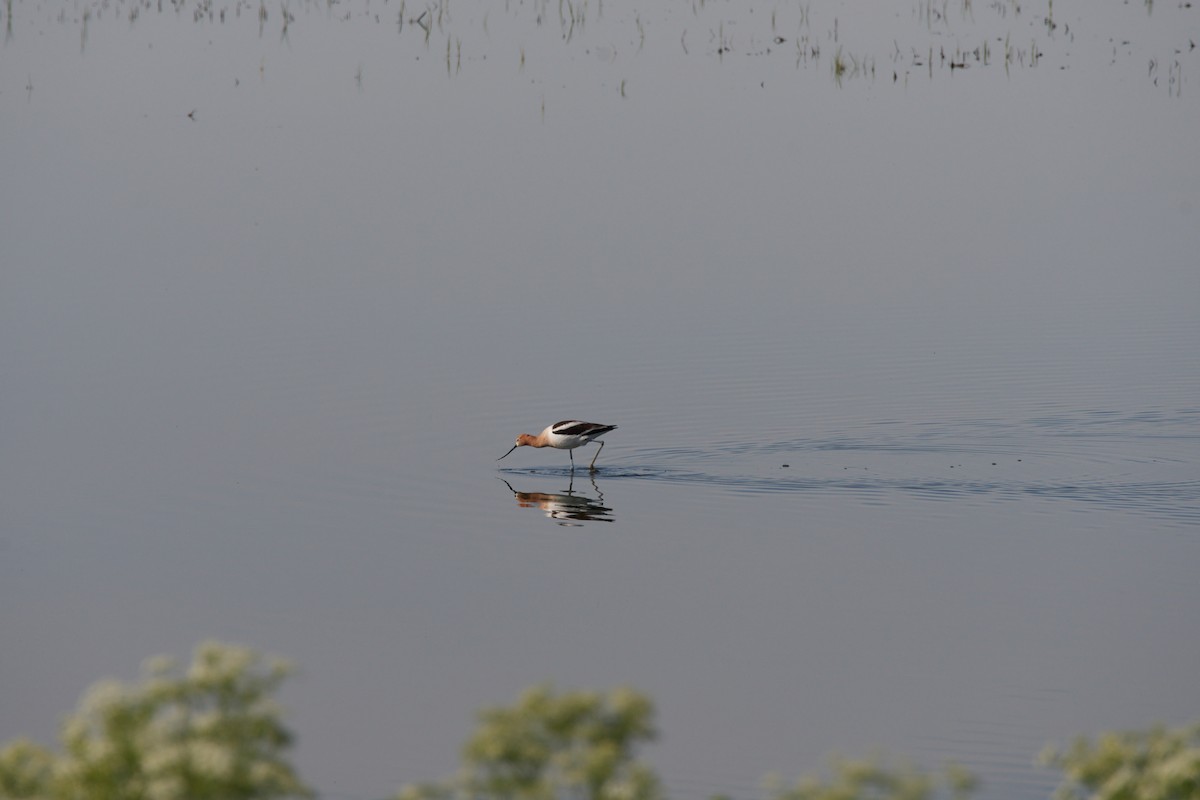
x: 212, y: 731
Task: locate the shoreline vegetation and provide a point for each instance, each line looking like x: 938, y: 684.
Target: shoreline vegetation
x: 939, y: 37
x: 212, y: 730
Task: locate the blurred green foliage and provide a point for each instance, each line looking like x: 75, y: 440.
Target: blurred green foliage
x: 579, y: 745
x: 877, y: 778
x: 212, y: 731
x: 1158, y: 764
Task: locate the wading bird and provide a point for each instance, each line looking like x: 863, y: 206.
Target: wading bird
x: 565, y: 435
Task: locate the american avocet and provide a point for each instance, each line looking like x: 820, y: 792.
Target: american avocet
x: 565, y: 435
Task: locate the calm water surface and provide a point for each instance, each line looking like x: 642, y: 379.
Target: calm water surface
x: 903, y: 355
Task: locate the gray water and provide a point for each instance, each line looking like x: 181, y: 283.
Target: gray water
x: 903, y: 358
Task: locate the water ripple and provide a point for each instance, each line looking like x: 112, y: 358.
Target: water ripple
x: 1140, y: 462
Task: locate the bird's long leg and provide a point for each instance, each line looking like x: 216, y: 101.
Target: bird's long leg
x: 592, y: 466
x: 572, y: 455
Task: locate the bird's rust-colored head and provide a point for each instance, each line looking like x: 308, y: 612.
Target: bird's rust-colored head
x: 524, y: 440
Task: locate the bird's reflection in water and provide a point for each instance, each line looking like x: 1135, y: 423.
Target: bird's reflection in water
x: 570, y: 508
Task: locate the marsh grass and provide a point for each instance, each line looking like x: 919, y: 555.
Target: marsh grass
x: 731, y: 33
x: 423, y: 21
x: 805, y: 12
x: 806, y: 51
x: 1174, y: 81
x: 723, y: 45
x: 571, y: 17
x: 453, y: 56
x: 846, y: 65
x: 287, y: 20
